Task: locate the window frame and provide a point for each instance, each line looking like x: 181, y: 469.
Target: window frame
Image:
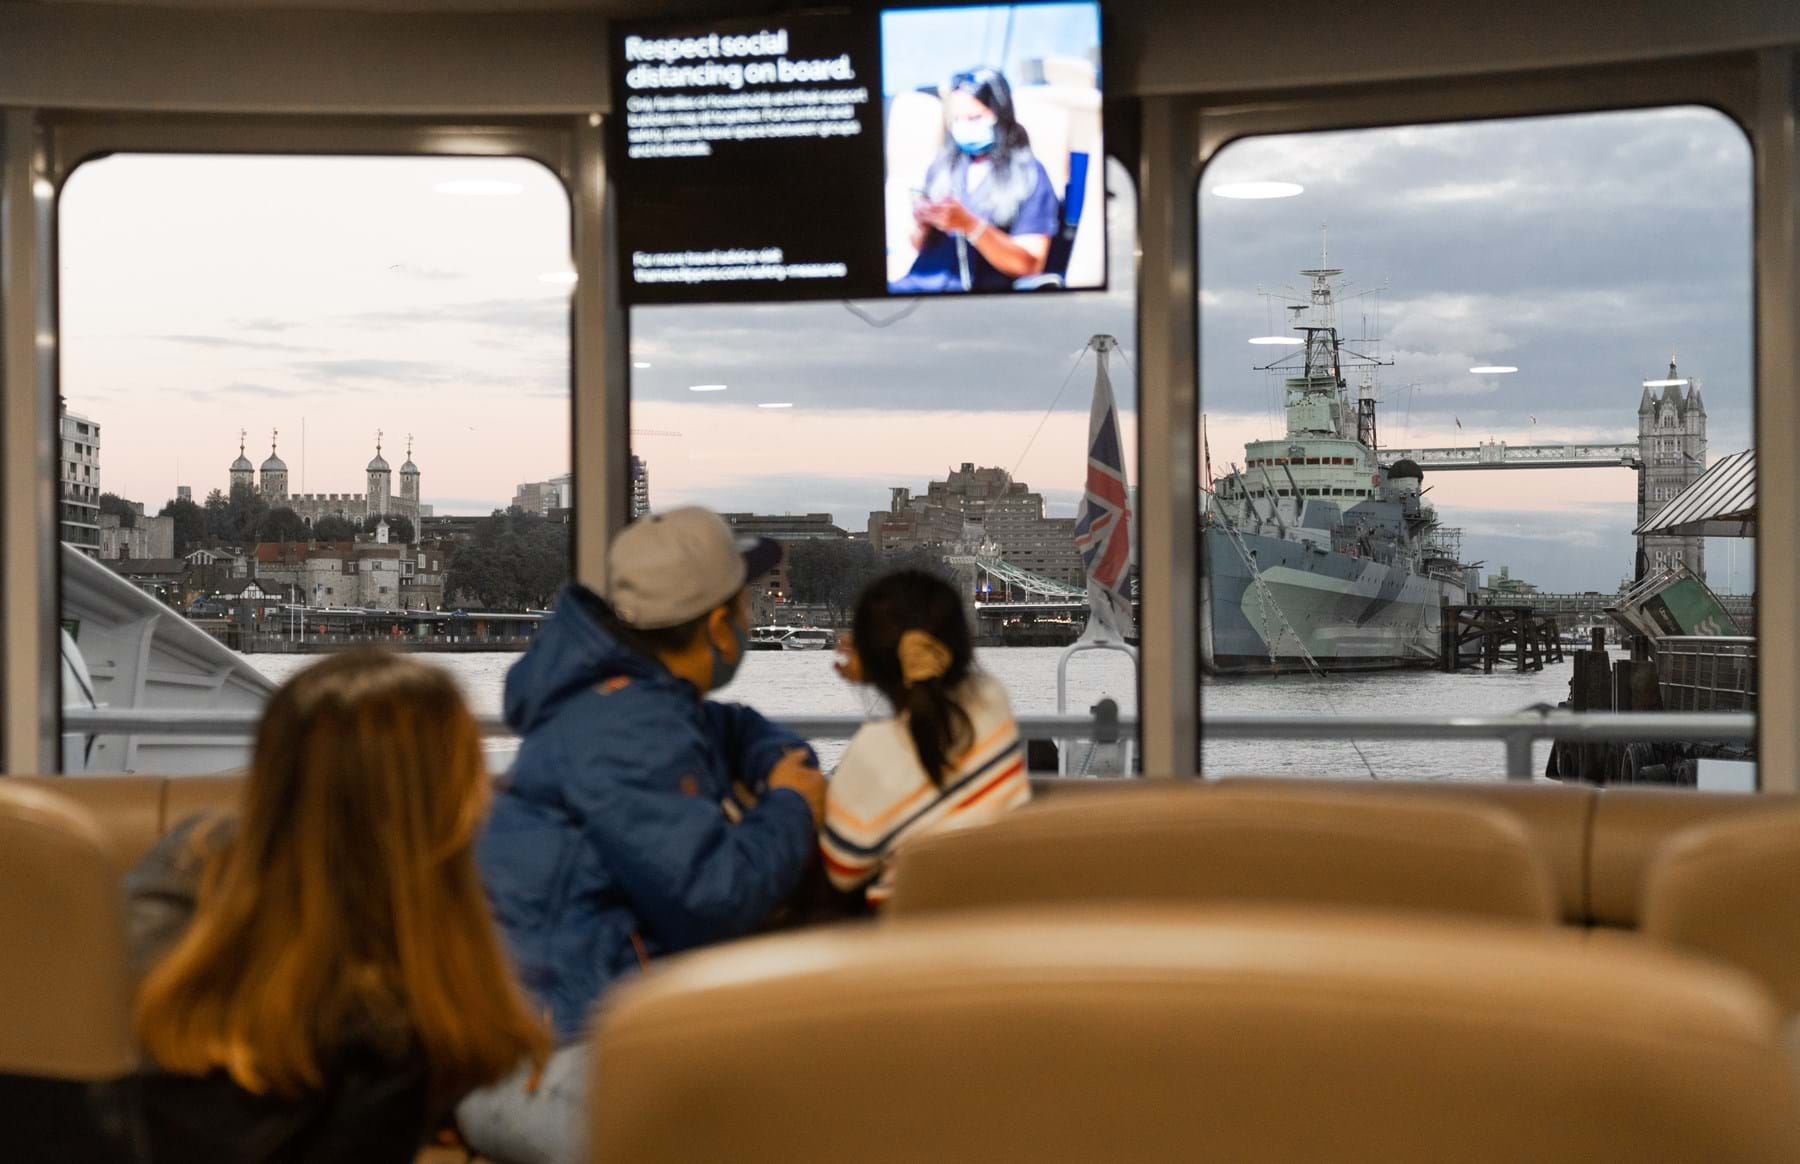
x: 1755, y: 89
x: 40, y: 150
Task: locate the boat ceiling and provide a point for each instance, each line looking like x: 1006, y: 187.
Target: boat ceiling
x: 549, y: 56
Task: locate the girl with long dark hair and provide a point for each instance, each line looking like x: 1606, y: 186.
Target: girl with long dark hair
x: 949, y: 756
x: 986, y: 213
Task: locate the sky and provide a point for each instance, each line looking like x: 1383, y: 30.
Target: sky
x: 204, y: 295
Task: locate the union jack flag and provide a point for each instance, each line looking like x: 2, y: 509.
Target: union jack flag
x: 1103, y: 531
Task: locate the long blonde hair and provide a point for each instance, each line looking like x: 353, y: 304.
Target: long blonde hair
x: 347, y: 903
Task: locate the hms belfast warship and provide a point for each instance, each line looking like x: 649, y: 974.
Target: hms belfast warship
x: 1315, y: 556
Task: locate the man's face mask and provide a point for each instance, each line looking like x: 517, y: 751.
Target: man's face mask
x: 973, y: 137
x: 723, y: 669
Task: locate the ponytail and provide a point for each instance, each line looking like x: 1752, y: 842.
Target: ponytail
x: 937, y: 724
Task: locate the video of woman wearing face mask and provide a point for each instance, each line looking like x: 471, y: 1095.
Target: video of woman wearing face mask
x: 979, y: 174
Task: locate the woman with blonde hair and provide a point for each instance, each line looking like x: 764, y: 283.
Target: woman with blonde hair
x: 327, y: 981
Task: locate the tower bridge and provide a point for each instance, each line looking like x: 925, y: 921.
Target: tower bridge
x: 1500, y: 455
x: 1668, y: 456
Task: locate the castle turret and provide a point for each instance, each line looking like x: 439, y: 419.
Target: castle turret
x: 409, y: 481
x: 243, y: 473
x: 380, y: 482
x: 274, y: 474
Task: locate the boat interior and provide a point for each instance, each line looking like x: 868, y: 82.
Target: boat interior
x: 1154, y: 969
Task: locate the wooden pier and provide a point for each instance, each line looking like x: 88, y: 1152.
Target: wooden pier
x: 1491, y: 636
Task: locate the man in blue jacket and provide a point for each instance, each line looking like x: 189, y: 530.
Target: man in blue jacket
x: 640, y: 818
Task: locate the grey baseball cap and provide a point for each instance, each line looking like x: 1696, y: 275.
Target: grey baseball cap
x: 668, y: 568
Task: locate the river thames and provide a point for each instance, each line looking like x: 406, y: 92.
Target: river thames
x: 782, y: 683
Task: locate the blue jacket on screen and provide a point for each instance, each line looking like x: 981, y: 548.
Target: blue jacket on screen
x: 613, y: 838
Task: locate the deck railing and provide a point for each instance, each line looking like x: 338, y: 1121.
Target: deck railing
x: 1707, y: 672
x: 1516, y: 731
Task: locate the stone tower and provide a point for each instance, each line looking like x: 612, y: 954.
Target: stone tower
x: 1672, y: 447
x: 409, y: 483
x: 274, y: 475
x: 243, y: 473
x: 381, y: 478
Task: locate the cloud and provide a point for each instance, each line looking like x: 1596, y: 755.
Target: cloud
x: 428, y: 274
x: 229, y: 341
x: 545, y: 315
x: 263, y: 324
x: 393, y: 373
x: 242, y: 389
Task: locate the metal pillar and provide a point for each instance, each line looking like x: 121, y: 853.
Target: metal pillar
x: 1168, y: 438
x: 28, y: 506
x: 601, y: 364
x: 1777, y: 408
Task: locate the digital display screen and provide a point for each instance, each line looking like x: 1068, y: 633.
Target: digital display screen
x: 850, y: 155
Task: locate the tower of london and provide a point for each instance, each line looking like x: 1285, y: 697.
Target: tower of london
x: 379, y: 498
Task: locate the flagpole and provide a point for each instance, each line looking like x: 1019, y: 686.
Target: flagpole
x: 1104, y: 520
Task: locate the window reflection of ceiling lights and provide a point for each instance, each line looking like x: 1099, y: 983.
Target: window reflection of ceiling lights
x: 1256, y: 190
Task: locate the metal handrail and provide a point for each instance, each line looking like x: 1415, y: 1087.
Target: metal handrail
x: 1518, y: 731
x: 241, y: 723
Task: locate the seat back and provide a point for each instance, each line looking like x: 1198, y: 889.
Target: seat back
x: 1243, y: 843
x: 1630, y: 825
x: 1173, y: 1037
x: 62, y: 980
x: 1731, y: 889
x: 1557, y: 818
x: 133, y: 812
x: 66, y: 1053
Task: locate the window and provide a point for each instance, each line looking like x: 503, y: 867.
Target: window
x: 312, y: 349
x: 1499, y: 285
x: 871, y: 435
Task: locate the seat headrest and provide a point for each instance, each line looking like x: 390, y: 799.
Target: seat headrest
x: 64, y: 1010
x: 1165, y: 1035
x: 1240, y: 843
x: 1731, y: 889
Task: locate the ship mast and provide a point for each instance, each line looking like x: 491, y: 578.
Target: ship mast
x: 1318, y: 400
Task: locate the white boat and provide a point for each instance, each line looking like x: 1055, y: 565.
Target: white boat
x: 769, y: 638
x: 808, y: 638
x: 123, y: 649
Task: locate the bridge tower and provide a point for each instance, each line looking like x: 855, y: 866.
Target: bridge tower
x: 1672, y: 450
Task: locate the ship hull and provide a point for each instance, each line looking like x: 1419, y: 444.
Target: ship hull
x: 1348, y: 613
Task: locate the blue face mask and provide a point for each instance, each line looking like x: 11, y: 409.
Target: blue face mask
x: 722, y: 668
x: 973, y: 137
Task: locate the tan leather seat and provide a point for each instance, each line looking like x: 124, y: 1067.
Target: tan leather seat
x: 1557, y: 818
x: 1175, y: 1036
x: 64, y: 1011
x: 1731, y: 889
x: 1241, y: 843
x: 1631, y: 824
x: 128, y: 809
x: 134, y: 812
